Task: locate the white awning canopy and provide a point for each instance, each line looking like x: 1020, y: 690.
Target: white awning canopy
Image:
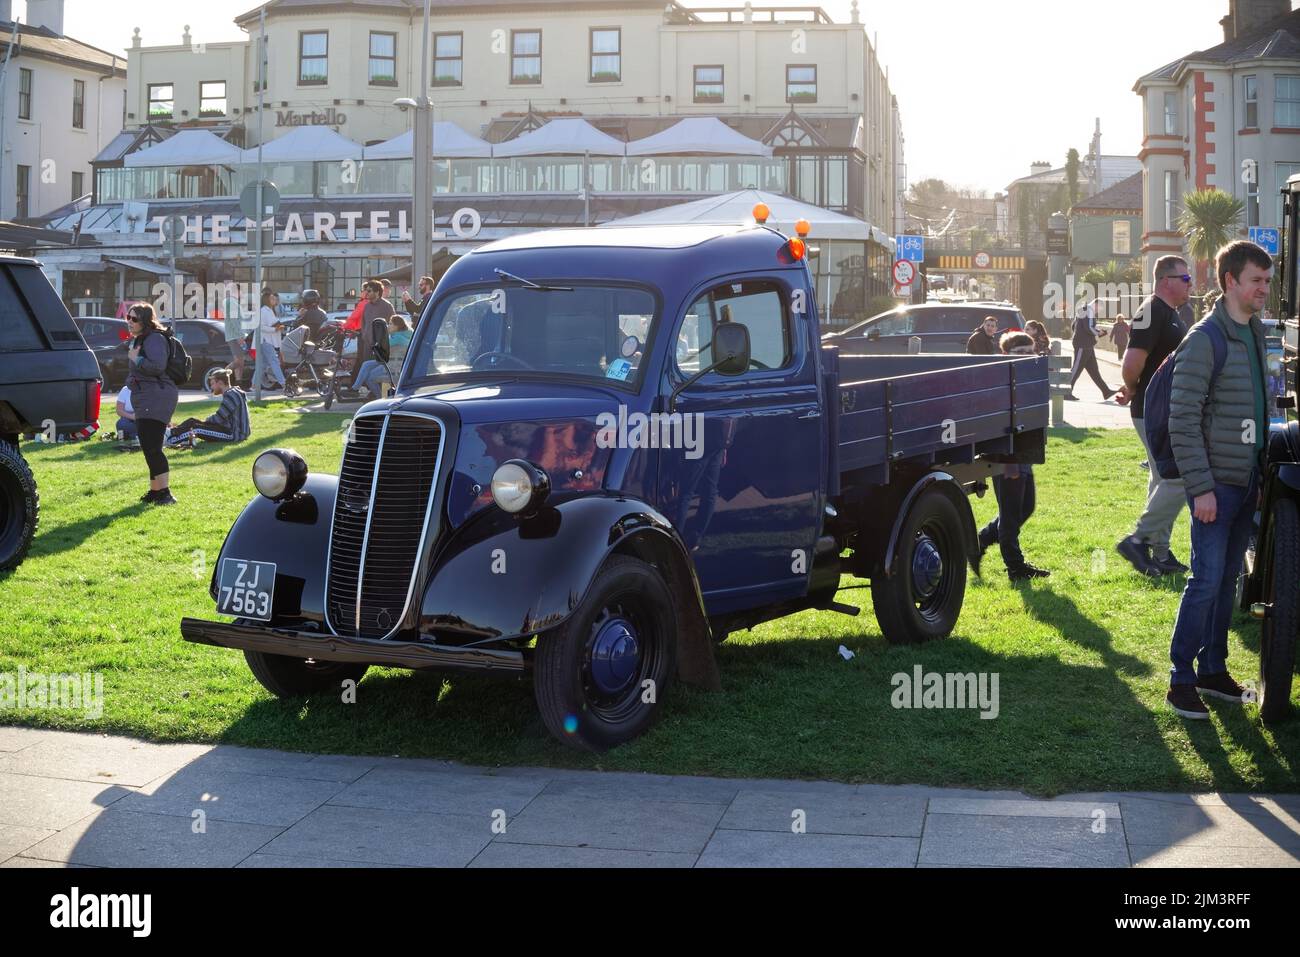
x: 568, y: 135
x: 142, y: 265
x: 738, y: 207
x: 698, y: 134
x: 449, y: 140
x: 306, y: 144
x: 188, y: 148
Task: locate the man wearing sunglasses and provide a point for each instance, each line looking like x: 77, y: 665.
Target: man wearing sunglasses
x: 1157, y: 331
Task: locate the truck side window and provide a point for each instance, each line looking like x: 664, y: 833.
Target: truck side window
x: 17, y: 327
x: 756, y: 304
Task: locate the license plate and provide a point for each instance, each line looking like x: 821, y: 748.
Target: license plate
x: 246, y: 589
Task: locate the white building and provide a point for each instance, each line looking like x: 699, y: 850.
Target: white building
x: 1216, y: 114
x: 61, y: 101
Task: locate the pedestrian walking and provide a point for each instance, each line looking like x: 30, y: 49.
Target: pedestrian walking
x: 270, y: 344
x: 1157, y: 331
x: 153, y: 396
x: 1013, y: 486
x: 1119, y: 334
x: 1218, y: 453
x: 235, y: 331
x: 1084, y: 341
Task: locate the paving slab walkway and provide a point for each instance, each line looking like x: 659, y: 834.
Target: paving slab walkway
x: 87, y: 800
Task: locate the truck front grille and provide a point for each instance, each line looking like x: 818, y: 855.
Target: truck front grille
x: 381, y: 512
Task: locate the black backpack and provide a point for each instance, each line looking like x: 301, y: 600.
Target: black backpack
x: 1156, y: 401
x: 180, y: 367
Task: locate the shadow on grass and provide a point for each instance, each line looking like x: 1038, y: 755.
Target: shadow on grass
x: 65, y: 538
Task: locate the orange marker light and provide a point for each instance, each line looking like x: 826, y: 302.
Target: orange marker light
x: 798, y: 249
x: 761, y: 213
x: 803, y: 227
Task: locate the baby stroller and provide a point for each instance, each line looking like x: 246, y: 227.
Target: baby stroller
x: 305, y: 363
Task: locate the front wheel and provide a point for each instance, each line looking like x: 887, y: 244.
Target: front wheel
x: 600, y: 677
x: 20, y: 506
x: 1278, y: 636
x: 293, y: 677
x: 922, y: 600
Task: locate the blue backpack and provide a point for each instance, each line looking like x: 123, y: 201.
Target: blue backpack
x: 1156, y: 410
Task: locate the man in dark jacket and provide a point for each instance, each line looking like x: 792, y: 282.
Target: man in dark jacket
x: 1217, y: 429
x: 984, y: 340
x: 414, y: 307
x: 1085, y: 351
x: 312, y: 315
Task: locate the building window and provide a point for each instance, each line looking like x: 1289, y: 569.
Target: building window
x: 1121, y: 238
x: 801, y: 84
x: 526, y: 56
x: 1286, y: 105
x: 212, y: 98
x: 1251, y: 84
x: 24, y: 93
x: 606, y: 55
x: 78, y: 185
x: 313, y: 58
x: 1284, y: 172
x: 78, y: 104
x: 448, y: 63
x: 383, y: 59
x: 1171, y: 114
x: 24, y: 191
x: 162, y: 100
x: 1171, y: 200
x: 708, y: 84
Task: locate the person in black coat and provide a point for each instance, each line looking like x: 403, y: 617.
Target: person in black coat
x: 984, y: 340
x: 1085, y: 352
x: 153, y: 396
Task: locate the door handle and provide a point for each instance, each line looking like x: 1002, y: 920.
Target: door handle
x: 814, y: 414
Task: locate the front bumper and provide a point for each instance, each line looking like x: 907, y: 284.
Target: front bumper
x: 415, y: 655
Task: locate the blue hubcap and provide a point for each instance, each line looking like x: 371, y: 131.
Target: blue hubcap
x: 927, y: 567
x: 614, y: 656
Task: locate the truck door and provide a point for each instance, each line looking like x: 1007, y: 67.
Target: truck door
x: 747, y: 498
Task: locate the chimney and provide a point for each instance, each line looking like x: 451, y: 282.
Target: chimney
x: 46, y: 13
x: 1039, y: 167
x: 1245, y: 16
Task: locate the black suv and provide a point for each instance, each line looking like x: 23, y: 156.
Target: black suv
x: 940, y: 327
x: 49, y: 382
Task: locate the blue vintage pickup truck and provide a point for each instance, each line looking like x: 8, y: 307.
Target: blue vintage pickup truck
x: 609, y: 449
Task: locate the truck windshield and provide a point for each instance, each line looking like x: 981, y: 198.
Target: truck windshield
x: 597, y: 332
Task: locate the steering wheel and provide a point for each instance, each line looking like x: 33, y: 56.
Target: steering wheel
x: 491, y: 361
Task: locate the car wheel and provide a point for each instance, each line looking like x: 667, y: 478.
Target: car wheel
x: 1278, y: 637
x: 922, y: 600
x: 294, y: 677
x: 207, y: 378
x: 20, y: 507
x: 600, y: 677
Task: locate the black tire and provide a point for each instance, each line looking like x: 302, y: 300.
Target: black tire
x: 1278, y: 635
x: 20, y: 507
x: 329, y: 396
x: 910, y: 608
x: 291, y: 388
x: 567, y: 684
x: 294, y: 677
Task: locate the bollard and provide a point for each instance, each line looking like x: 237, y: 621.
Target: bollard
x: 914, y: 346
x: 1056, y: 382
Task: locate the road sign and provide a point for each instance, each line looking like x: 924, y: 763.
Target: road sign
x: 1268, y: 237
x: 983, y: 260
x: 911, y: 248
x: 270, y: 201
x: 904, y: 273
x: 172, y: 232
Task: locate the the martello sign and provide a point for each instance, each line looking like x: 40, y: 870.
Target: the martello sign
x: 329, y: 117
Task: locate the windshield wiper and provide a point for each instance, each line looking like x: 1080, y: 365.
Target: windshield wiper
x: 530, y: 284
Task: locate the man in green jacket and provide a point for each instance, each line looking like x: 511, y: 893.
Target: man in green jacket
x: 1217, y: 429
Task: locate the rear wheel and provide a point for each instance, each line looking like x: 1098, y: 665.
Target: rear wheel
x: 293, y: 677
x: 600, y: 677
x: 1278, y: 635
x: 291, y: 386
x: 922, y: 600
x: 20, y: 506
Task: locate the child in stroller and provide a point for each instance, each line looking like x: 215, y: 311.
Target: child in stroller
x: 304, y: 362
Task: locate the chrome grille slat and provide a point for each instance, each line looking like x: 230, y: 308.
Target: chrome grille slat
x: 391, y: 466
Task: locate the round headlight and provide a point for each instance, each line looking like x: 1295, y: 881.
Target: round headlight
x: 279, y: 473
x: 518, y: 486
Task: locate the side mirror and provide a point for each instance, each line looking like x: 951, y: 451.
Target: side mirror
x: 731, y: 348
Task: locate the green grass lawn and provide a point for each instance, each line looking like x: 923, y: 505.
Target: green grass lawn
x: 1082, y: 659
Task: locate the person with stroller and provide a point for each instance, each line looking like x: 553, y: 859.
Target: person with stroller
x: 229, y: 423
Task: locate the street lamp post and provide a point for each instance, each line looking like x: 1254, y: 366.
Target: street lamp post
x: 422, y: 166
x: 259, y: 362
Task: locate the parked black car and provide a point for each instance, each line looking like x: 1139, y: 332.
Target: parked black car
x: 204, y: 340
x: 48, y: 383
x: 109, y: 340
x: 940, y: 327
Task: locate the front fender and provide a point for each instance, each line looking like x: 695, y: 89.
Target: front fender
x: 503, y: 578
x: 942, y: 482
x: 295, y: 536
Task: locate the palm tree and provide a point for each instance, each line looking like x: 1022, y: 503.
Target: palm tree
x: 1209, y: 220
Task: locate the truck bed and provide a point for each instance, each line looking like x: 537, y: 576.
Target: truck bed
x: 916, y: 411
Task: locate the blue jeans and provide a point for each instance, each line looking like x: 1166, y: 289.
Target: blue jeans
x: 125, y: 428
x: 1218, y: 549
x: 372, y: 374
